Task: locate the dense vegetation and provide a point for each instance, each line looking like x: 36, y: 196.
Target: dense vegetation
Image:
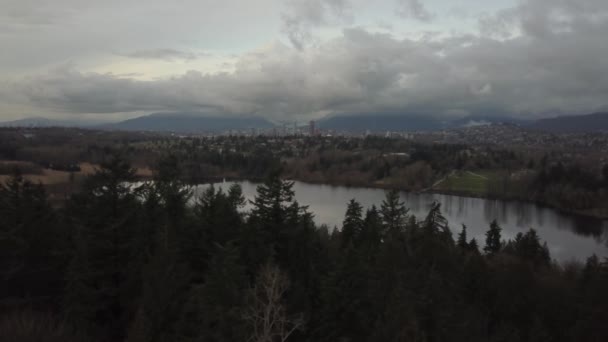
x: 142, y: 263
x: 574, y: 181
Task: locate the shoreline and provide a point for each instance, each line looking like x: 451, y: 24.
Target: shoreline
x: 209, y: 180
x: 574, y: 212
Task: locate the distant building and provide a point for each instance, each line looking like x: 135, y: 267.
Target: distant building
x: 312, y: 128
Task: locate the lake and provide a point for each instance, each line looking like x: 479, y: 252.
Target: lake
x: 568, y: 236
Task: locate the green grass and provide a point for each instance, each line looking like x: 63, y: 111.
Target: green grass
x: 467, y: 182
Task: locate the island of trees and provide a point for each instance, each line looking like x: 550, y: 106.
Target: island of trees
x: 143, y: 262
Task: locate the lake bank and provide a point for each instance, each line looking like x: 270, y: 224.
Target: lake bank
x: 569, y: 236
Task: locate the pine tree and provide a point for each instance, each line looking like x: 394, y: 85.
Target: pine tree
x: 163, y: 283
x: 214, y: 310
x: 273, y: 216
x: 271, y: 202
x: 435, y: 222
x: 493, y: 239
x: 528, y: 247
x: 29, y: 241
x: 163, y: 276
x: 473, y: 246
x: 235, y: 195
x: 222, y: 297
x: 371, y: 233
x: 393, y: 213
x: 462, y: 238
x: 435, y: 231
x: 104, y: 219
x: 353, y: 223
x: 174, y: 194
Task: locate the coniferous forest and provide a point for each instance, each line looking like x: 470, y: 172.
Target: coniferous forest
x: 146, y: 262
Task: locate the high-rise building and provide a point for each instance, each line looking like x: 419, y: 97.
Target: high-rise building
x: 312, y: 129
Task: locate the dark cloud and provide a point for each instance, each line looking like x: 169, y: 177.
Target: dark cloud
x: 540, y: 58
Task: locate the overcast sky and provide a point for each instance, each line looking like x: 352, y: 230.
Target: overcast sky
x: 302, y: 59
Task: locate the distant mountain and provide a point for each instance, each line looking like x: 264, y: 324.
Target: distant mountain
x: 39, y: 122
x: 188, y: 123
x: 383, y: 122
x: 480, y: 120
x: 380, y: 122
x: 573, y: 124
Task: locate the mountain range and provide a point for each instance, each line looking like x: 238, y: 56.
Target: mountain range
x: 40, y: 122
x: 195, y: 123
x: 573, y: 124
x: 189, y: 123
x: 404, y: 123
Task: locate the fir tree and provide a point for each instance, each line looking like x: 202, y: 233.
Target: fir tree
x: 104, y: 217
x: 473, y: 246
x: 29, y: 241
x: 493, y: 239
x: 462, y: 238
x: 214, y: 310
x: 353, y: 223
x: 393, y: 213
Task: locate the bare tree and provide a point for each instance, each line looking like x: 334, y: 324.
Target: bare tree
x: 266, y: 314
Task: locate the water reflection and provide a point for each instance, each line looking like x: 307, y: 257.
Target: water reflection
x: 568, y: 236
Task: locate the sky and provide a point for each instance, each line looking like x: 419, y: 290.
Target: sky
x: 302, y: 59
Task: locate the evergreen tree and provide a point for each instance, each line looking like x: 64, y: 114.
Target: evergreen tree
x: 393, y: 213
x: 371, y: 234
x: 353, y: 223
x: 435, y: 222
x: 235, y: 195
x: 462, y: 238
x: 493, y: 239
x: 346, y: 300
x: 214, y: 310
x: 163, y: 284
x: 267, y: 229
x: 164, y: 278
x: 174, y: 194
x: 271, y: 202
x: 29, y: 241
x: 528, y: 247
x: 473, y: 246
x: 104, y: 218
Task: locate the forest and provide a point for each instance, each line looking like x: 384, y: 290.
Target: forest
x: 573, y: 181
x: 140, y: 262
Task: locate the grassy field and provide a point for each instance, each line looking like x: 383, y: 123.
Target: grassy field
x: 51, y: 177
x: 467, y: 182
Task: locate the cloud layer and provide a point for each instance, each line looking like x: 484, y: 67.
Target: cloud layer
x: 539, y: 58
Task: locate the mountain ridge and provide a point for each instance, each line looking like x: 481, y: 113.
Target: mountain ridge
x: 188, y: 123
x: 193, y: 122
x: 594, y: 122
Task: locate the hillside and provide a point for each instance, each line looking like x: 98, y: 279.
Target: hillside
x: 380, y: 122
x: 188, y: 123
x: 40, y: 122
x: 576, y: 123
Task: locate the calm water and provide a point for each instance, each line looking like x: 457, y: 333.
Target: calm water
x: 569, y: 237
